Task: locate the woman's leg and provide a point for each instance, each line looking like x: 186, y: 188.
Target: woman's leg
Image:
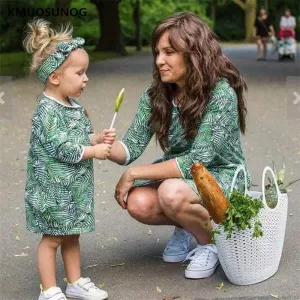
x: 265, y: 44
x: 47, y: 260
x: 70, y: 251
x: 259, y: 48
x: 143, y: 205
x: 181, y: 204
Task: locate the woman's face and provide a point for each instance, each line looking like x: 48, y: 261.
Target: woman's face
x: 170, y: 63
x: 263, y: 14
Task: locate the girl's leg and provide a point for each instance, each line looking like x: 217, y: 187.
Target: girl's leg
x: 70, y: 251
x: 143, y: 205
x: 47, y: 260
x: 181, y: 204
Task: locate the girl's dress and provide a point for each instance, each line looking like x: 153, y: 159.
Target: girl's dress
x: 217, y: 144
x: 59, y: 192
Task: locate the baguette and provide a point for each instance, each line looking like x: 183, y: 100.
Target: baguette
x: 211, y: 193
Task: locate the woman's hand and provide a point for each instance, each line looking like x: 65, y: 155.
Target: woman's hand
x: 109, y: 136
x: 123, y: 187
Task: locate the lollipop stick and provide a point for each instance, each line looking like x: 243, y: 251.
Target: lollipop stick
x: 113, y: 121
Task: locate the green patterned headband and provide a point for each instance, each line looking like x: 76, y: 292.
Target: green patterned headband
x: 63, y: 50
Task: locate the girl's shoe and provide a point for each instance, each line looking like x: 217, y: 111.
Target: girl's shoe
x: 53, y: 293
x: 84, y: 289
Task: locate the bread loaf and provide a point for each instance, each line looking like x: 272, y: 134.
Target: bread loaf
x: 212, y: 195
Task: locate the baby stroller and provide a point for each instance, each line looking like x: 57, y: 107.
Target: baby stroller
x: 286, y: 45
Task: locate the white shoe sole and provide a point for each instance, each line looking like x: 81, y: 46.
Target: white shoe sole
x: 78, y: 296
x: 174, y: 258
x: 193, y: 274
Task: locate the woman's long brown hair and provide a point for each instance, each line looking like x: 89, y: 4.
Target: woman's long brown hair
x: 206, y: 64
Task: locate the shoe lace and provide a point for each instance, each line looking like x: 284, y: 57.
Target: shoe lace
x: 200, y: 255
x: 178, y: 240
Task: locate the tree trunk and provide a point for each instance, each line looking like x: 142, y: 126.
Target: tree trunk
x: 266, y: 5
x: 249, y: 6
x: 61, y: 19
x: 250, y: 15
x: 213, y: 12
x: 111, y: 37
x: 137, y: 21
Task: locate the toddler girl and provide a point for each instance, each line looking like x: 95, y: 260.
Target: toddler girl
x: 59, y: 193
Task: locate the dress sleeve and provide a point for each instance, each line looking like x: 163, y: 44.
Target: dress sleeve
x: 140, y: 132
x: 53, y: 136
x: 218, y: 123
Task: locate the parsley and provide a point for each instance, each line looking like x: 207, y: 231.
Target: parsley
x: 240, y: 214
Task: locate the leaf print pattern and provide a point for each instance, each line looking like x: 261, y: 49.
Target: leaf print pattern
x: 217, y: 144
x: 59, y: 192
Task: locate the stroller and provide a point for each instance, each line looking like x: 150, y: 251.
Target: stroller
x: 286, y: 45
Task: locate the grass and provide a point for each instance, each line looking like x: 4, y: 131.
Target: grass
x: 16, y: 64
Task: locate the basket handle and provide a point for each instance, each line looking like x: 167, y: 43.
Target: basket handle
x: 268, y: 169
x: 238, y: 170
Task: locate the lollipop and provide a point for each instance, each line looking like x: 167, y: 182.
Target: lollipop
x: 117, y: 106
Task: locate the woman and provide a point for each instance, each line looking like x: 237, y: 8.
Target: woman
x: 261, y: 32
x: 196, y: 110
x: 287, y: 23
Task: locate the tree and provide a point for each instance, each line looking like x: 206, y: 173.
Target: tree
x: 137, y: 21
x: 249, y: 7
x: 111, y: 37
x: 62, y: 18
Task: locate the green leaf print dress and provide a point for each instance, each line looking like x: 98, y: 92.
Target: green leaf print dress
x: 217, y: 144
x: 59, y: 192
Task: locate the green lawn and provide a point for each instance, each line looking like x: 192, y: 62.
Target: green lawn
x: 16, y: 64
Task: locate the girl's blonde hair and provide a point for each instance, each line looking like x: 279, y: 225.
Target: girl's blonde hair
x: 41, y: 40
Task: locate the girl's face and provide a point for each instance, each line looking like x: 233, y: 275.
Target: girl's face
x: 73, y: 76
x: 170, y: 63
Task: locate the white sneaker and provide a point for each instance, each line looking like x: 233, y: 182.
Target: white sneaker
x: 178, y: 246
x: 53, y: 293
x: 204, y: 262
x: 84, y: 289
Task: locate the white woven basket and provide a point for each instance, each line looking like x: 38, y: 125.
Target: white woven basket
x: 247, y: 260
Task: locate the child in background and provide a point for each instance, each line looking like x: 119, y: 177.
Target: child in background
x: 59, y: 193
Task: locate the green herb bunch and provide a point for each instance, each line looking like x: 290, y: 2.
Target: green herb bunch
x: 239, y: 215
x: 270, y: 188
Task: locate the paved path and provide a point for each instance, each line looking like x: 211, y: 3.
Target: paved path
x: 273, y: 132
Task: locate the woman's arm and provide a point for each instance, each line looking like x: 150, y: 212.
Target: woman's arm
x: 137, y: 136
x: 163, y: 170
x: 272, y: 29
x: 118, y: 153
x: 282, y: 23
x: 254, y: 32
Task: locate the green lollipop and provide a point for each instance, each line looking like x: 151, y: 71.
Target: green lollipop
x: 117, y: 106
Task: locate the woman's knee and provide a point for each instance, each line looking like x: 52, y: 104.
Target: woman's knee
x: 172, y: 195
x: 140, y: 206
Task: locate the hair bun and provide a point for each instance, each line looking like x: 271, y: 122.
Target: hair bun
x: 39, y: 35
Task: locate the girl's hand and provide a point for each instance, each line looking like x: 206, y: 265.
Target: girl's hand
x: 96, y: 138
x: 123, y: 187
x: 109, y: 136
x: 101, y: 151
